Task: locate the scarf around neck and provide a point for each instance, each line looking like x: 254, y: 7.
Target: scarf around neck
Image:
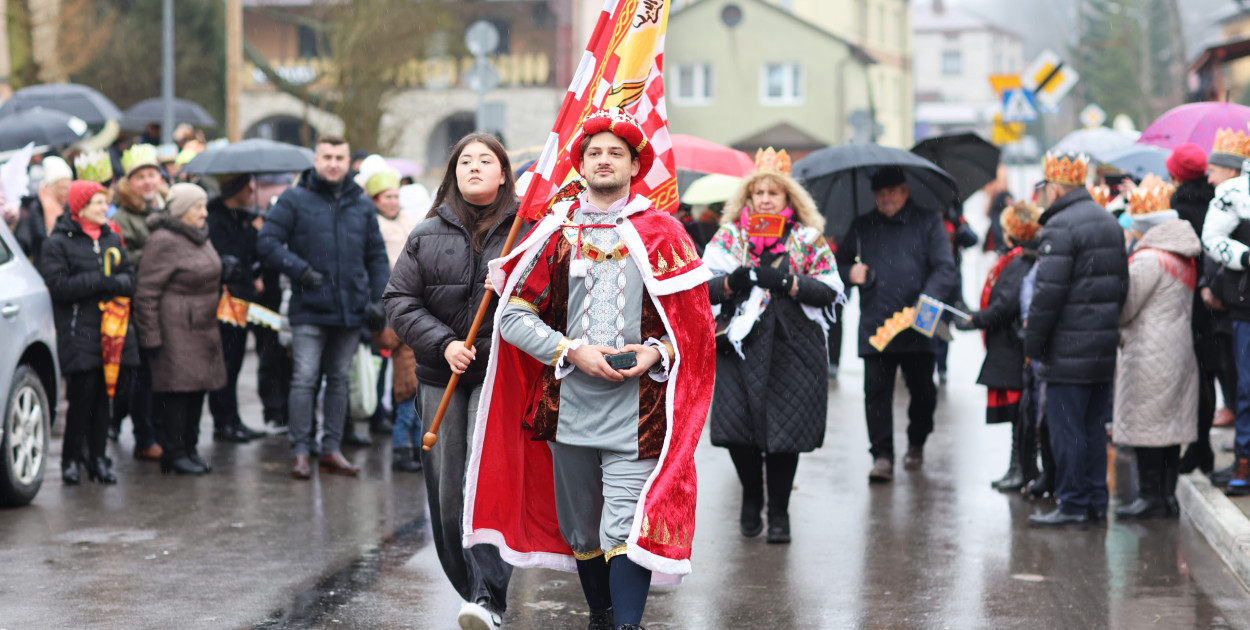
x: 762, y: 244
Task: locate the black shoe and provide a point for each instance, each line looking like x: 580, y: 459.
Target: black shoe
x: 198, y: 461
x: 403, y: 459
x: 249, y: 432
x: 1058, y: 518
x: 381, y: 425
x: 1040, y: 487
x: 750, y: 523
x: 232, y: 435
x: 630, y: 626
x: 602, y: 620
x: 351, y: 438
x: 181, y: 465
x: 98, y: 471
x: 69, y: 472
x: 1143, y: 507
x: 1012, y: 481
x: 1222, y: 476
x: 779, y: 530
x: 914, y: 459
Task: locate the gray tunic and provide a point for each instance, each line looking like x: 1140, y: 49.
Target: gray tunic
x: 605, y: 308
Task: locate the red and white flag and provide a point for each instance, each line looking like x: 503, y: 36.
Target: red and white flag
x: 622, y: 67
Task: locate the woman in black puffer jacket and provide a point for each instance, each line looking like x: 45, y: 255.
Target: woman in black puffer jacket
x: 435, y: 289
x: 72, y: 264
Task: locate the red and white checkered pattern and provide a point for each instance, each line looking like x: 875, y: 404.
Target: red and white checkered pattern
x: 592, y: 89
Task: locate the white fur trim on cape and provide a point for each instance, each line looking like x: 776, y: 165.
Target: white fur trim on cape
x: 666, y: 570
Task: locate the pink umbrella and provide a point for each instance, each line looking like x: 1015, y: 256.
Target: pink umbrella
x: 702, y: 156
x: 406, y: 168
x: 1197, y: 123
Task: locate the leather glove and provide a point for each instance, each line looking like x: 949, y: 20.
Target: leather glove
x: 375, y: 316
x: 772, y: 278
x: 311, y: 278
x: 121, y: 284
x: 740, y: 279
x: 963, y: 324
x: 230, y: 269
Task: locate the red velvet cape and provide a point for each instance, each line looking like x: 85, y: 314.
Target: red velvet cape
x: 509, y: 491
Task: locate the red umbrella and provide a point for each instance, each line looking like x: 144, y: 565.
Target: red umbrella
x: 1195, y: 122
x: 702, y: 156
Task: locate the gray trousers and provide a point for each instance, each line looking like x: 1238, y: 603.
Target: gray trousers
x: 477, y: 573
x: 597, y: 493
x: 318, y: 350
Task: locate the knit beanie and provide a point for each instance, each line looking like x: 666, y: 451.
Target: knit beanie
x: 1143, y: 222
x: 1187, y: 162
x: 182, y: 197
x: 55, y: 169
x: 80, y: 194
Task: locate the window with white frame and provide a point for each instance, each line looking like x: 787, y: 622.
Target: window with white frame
x: 692, y: 84
x: 781, y: 84
x: 952, y: 62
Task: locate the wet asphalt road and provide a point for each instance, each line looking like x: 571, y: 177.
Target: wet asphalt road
x: 246, y: 547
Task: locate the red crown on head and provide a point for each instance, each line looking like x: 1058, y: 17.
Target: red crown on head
x: 1101, y: 194
x: 1066, y: 170
x: 621, y: 124
x: 770, y: 161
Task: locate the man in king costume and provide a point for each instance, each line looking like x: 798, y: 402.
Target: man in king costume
x: 578, y: 465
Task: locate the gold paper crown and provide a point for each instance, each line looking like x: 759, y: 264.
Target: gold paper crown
x: 1232, y: 142
x: 1101, y: 194
x: 771, y: 161
x: 382, y: 181
x: 94, y: 166
x: 1151, y: 195
x: 1066, y: 170
x: 137, y: 157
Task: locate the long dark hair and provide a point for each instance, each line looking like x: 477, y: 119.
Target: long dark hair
x: 478, y: 224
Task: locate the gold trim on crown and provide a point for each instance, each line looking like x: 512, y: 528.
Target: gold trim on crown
x: 771, y: 161
x: 1066, y: 170
x: 1101, y: 194
x: 1151, y: 195
x: 1232, y: 143
x: 94, y: 166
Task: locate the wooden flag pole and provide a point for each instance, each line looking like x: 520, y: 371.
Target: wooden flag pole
x: 431, y: 437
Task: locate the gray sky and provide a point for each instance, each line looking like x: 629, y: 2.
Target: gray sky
x: 1048, y: 23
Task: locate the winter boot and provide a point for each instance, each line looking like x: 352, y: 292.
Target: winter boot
x: 404, y: 459
x: 1150, y: 502
x: 1171, y: 474
x: 1044, y: 484
x: 1239, y: 485
x: 1014, y: 479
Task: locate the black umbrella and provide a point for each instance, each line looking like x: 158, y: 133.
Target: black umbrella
x: 44, y: 127
x: 152, y: 111
x: 838, y: 178
x: 251, y: 156
x: 969, y: 159
x: 76, y: 100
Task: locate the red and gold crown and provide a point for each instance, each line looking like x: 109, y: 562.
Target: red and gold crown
x: 625, y: 127
x: 1232, y: 143
x: 770, y: 161
x: 1151, y: 195
x: 1101, y: 194
x: 1068, y: 170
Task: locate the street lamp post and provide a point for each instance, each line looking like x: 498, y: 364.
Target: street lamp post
x: 167, y: 75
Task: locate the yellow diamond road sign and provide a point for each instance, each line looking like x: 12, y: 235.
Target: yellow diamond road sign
x: 1049, y: 78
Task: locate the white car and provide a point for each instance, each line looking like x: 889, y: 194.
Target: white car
x: 29, y: 374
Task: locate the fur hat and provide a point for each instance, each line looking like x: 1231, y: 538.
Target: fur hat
x: 80, y: 194
x: 616, y: 121
x: 182, y: 197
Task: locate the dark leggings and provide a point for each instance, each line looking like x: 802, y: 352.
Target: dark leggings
x: 181, y: 414
x: 86, y: 417
x: 751, y: 463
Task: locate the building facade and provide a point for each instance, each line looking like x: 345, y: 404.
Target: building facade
x: 433, y: 104
x: 955, y: 54
x: 749, y: 74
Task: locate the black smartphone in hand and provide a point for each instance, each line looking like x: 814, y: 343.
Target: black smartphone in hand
x: 622, y: 361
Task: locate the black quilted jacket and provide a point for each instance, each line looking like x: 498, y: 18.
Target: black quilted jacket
x: 775, y: 400
x: 1082, y: 281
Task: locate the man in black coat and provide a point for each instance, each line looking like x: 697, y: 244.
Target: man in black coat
x: 323, y: 234
x: 1072, y: 334
x: 893, y: 255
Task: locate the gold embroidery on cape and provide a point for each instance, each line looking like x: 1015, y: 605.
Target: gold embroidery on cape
x: 516, y: 301
x: 615, y: 551
x: 587, y: 555
x: 662, y: 535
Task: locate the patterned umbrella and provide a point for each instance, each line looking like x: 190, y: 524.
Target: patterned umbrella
x: 113, y: 324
